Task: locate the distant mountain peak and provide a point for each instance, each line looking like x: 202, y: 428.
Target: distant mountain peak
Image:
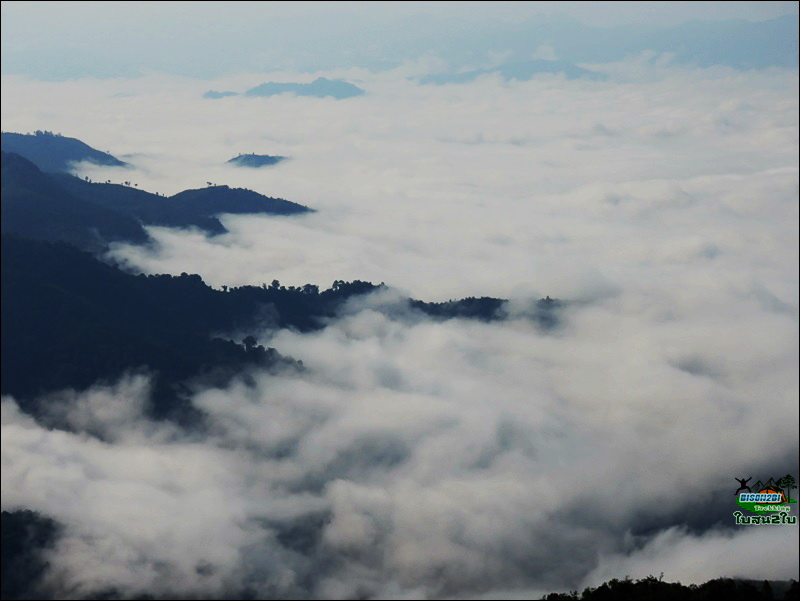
x: 256, y: 160
x: 216, y: 199
x: 521, y: 71
x: 319, y: 88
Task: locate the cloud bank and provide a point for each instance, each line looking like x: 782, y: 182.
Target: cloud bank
x: 548, y: 186
x: 431, y: 460
x: 427, y: 460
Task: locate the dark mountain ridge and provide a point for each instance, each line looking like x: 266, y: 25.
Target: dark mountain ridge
x: 256, y: 160
x: 63, y: 207
x: 54, y: 152
x: 33, y: 205
x: 191, y: 208
x: 70, y: 320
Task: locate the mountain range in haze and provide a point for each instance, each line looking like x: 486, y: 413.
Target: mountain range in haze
x: 315, y: 42
x: 521, y: 71
x: 319, y: 88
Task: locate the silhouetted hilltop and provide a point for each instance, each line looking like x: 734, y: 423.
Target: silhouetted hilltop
x: 119, y: 197
x: 190, y: 208
x: 146, y: 207
x: 256, y: 160
x: 656, y: 589
x: 544, y: 312
x: 320, y: 88
x: 485, y: 308
x: 54, y: 152
x: 214, y: 200
x: 35, y: 206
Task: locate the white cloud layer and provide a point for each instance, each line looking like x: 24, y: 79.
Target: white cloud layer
x: 451, y: 459
x: 548, y: 186
x: 429, y: 459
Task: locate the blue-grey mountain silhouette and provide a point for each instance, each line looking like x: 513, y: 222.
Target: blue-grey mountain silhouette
x: 53, y: 152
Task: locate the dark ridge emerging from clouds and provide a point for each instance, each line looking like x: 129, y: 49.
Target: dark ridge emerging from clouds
x: 34, y: 205
x: 256, y: 160
x: 101, y: 323
x: 90, y: 214
x: 54, y: 152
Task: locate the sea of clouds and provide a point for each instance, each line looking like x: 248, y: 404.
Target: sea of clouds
x: 422, y: 459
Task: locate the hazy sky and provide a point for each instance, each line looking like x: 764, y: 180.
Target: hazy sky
x: 416, y: 459
x: 62, y: 40
x: 57, y: 18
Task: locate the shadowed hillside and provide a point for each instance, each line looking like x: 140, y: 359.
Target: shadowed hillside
x: 70, y: 320
x: 52, y: 152
x: 35, y: 206
x: 190, y: 208
x: 89, y: 215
